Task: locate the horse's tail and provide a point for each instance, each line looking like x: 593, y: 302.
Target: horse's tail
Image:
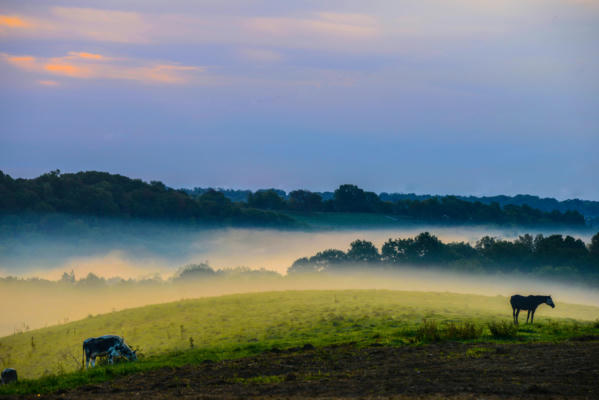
x: 83, y: 357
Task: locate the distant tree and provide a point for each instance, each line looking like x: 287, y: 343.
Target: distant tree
x: 363, y: 251
x: 321, y: 261
x: 159, y: 186
x: 303, y: 200
x: 559, y: 251
x: 215, y: 205
x: 68, y: 277
x: 505, y: 254
x: 460, y: 251
x: 303, y: 265
x: 350, y: 198
x: 526, y: 241
x: 397, y: 251
x: 266, y: 199
x: 91, y: 280
x: 194, y: 271
x: 428, y: 248
x: 329, y: 257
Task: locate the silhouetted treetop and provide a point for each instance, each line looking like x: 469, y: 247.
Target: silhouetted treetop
x: 552, y: 253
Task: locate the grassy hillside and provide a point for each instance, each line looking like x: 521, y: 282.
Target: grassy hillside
x: 236, y: 325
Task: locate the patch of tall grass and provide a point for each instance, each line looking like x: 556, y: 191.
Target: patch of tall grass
x: 429, y: 331
x: 503, y: 329
x: 463, y: 331
x: 432, y: 331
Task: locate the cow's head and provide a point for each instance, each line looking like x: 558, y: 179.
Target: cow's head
x: 127, y: 352
x: 549, y: 302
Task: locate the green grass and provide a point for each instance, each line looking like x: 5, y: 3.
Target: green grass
x: 243, y: 325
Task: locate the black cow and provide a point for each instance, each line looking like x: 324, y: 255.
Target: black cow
x: 107, y: 345
x: 8, y: 375
x: 529, y: 303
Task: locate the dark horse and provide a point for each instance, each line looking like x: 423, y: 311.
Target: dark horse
x: 529, y: 303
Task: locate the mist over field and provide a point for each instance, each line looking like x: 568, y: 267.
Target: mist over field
x: 151, y: 255
x: 142, y: 249
x: 40, y: 303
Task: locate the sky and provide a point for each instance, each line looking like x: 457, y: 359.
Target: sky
x: 477, y: 97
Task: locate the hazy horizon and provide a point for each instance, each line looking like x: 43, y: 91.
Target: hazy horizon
x: 146, y: 248
x: 37, y: 306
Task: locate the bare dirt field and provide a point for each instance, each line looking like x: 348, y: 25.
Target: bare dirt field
x: 449, y: 370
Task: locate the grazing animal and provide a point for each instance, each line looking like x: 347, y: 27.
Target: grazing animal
x: 9, y: 375
x: 529, y: 303
x: 107, y: 345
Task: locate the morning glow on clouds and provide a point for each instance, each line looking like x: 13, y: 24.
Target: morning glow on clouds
x: 491, y: 96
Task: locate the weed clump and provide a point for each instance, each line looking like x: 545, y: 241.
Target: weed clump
x: 429, y: 331
x: 503, y: 329
x: 463, y: 331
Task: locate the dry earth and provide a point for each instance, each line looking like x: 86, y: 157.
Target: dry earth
x: 450, y: 370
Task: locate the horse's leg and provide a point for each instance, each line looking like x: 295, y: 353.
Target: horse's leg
x: 532, y: 315
x: 517, y: 313
x: 527, y: 316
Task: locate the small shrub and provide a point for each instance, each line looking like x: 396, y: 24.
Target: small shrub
x: 503, y: 329
x: 464, y: 331
x: 428, y: 331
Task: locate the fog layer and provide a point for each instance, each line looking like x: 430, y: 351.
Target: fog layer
x: 138, y: 250
x: 146, y: 249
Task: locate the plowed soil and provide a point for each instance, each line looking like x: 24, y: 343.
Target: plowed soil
x: 449, y: 370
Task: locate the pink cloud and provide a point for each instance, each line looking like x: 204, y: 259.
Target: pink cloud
x: 47, y: 83
x: 12, y: 21
x: 83, y: 65
x: 322, y: 25
x: 83, y: 54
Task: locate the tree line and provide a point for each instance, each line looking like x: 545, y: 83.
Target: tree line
x: 550, y: 254
x: 109, y: 195
x: 588, y: 208
x: 446, y: 209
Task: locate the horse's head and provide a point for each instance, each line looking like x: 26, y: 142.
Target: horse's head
x: 549, y: 302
